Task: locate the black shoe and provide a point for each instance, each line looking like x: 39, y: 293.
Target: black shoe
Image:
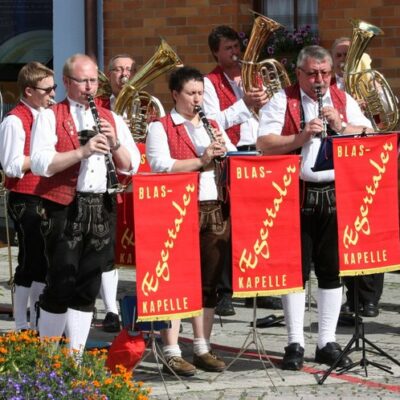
x: 294, y: 357
x: 370, y: 310
x: 273, y: 303
x: 330, y: 353
x: 224, y: 307
x: 347, y: 309
x: 111, y: 323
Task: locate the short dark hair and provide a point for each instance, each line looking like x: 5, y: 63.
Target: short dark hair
x: 181, y: 75
x: 218, y: 33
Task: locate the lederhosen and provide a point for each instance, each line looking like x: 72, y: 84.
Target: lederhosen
x: 23, y: 207
x: 319, y: 235
x: 76, y: 228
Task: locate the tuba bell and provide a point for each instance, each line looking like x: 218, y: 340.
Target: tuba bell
x: 270, y: 71
x: 138, y: 106
x: 369, y: 85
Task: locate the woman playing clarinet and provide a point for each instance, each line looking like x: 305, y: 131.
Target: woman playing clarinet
x: 185, y: 141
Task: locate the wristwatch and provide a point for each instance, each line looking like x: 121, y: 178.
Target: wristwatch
x: 343, y: 127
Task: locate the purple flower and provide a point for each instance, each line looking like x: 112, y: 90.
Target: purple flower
x: 242, y: 35
x: 270, y: 50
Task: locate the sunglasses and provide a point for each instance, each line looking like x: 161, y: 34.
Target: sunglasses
x: 47, y: 90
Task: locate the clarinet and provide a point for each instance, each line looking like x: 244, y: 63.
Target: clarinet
x: 320, y: 105
x: 207, y: 126
x: 112, y: 179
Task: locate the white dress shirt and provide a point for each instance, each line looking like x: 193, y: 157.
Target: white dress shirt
x: 12, y: 143
x: 237, y: 113
x: 159, y: 155
x: 93, y: 171
x: 272, y: 118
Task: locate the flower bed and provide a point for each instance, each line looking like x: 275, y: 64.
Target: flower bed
x: 35, y: 369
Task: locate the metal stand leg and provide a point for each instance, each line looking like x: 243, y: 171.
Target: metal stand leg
x: 155, y: 349
x: 359, y: 337
x: 3, y: 193
x: 253, y: 338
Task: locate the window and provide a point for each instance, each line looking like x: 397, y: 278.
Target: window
x: 291, y: 13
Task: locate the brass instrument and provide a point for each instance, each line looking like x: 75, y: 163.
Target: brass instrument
x: 270, y: 71
x: 104, y: 88
x: 369, y: 85
x: 138, y: 106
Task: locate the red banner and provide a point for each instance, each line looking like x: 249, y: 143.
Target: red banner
x: 168, y: 274
x: 265, y: 212
x: 367, y: 204
x: 125, y: 236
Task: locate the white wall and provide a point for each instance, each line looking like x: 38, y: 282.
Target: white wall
x: 68, y: 36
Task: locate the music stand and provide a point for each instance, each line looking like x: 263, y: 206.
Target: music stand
x: 359, y: 336
x: 253, y: 337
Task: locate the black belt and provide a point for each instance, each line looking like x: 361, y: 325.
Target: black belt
x: 247, y: 147
x: 209, y: 202
x: 89, y: 194
x: 317, y: 184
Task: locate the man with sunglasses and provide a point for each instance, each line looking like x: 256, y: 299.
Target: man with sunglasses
x: 290, y: 122
x: 37, y: 89
x: 70, y: 146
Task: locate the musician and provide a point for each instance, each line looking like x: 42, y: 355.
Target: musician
x: 179, y: 143
x: 76, y: 204
x: 37, y: 89
x: 226, y: 101
x: 121, y: 68
x: 289, y: 122
x: 370, y: 286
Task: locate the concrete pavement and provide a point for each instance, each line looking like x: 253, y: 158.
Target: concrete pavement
x: 247, y: 378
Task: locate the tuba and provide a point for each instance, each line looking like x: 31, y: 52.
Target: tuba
x: 140, y: 107
x: 272, y: 73
x: 369, y: 85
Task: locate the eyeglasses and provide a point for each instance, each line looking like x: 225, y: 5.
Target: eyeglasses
x: 47, y: 90
x: 314, y: 74
x: 92, y: 81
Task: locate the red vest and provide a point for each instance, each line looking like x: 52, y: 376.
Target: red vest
x: 292, y: 115
x: 61, y: 187
x: 226, y: 97
x: 28, y: 183
x: 180, y: 145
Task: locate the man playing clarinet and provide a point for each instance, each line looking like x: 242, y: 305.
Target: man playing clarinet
x: 76, y: 201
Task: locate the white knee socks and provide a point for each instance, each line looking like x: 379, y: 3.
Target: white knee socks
x: 329, y: 303
x: 108, y: 290
x: 294, y: 308
x: 77, y: 329
x: 21, y: 296
x: 51, y: 324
